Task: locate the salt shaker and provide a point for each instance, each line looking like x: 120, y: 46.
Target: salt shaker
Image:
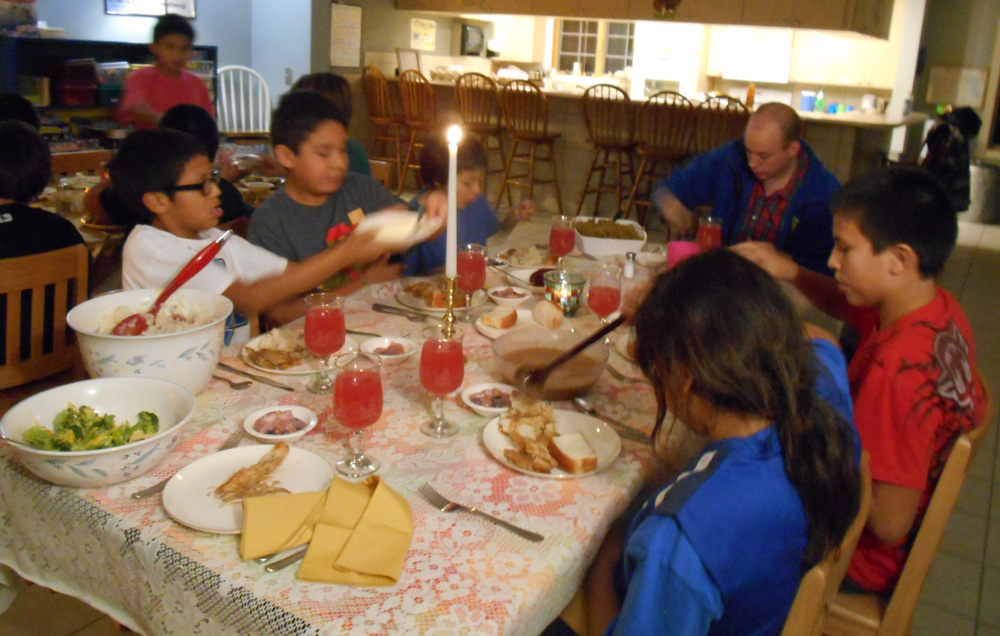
x: 629, y: 270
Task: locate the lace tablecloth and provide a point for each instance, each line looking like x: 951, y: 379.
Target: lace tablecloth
x: 462, y: 575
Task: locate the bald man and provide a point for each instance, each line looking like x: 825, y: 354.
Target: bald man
x: 768, y: 186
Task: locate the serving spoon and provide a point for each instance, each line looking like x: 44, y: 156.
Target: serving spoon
x: 532, y: 381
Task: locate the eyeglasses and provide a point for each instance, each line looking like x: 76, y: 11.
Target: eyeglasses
x: 205, y: 186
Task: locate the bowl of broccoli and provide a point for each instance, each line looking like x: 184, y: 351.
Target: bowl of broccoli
x: 97, y: 432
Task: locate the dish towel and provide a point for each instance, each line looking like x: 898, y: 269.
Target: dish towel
x: 358, y: 533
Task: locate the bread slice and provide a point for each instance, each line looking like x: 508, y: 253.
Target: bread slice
x: 501, y: 318
x: 547, y: 314
x: 573, y: 453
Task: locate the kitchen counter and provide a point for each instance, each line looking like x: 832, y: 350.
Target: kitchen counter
x: 863, y: 120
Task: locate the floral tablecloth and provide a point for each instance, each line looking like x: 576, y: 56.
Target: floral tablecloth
x: 462, y: 575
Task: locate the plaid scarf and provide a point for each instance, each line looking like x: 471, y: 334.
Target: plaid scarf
x: 765, y: 212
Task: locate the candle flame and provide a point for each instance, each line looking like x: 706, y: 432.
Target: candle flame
x: 454, y: 135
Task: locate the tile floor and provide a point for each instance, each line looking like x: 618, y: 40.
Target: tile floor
x: 961, y: 595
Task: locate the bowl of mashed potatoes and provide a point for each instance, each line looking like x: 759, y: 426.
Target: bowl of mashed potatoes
x: 182, y: 346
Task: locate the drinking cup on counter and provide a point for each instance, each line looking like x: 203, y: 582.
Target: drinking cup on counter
x: 808, y: 101
x: 867, y: 102
x: 677, y: 251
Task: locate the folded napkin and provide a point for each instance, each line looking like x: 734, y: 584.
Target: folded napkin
x: 358, y: 533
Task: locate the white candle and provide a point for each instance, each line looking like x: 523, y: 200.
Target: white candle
x: 451, y: 247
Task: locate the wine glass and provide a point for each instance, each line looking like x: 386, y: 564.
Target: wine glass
x: 471, y: 266
x: 709, y: 232
x: 562, y: 238
x: 325, y: 335
x: 605, y: 295
x: 357, y: 404
x: 442, y: 369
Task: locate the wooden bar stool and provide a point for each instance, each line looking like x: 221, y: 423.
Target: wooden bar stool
x: 476, y: 95
x: 718, y: 120
x: 664, y: 132
x: 610, y: 119
x: 526, y: 116
x: 387, y: 125
x: 420, y: 114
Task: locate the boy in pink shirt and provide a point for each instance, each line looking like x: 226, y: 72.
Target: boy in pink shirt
x: 151, y: 91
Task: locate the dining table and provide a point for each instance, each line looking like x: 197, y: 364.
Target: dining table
x: 131, y: 560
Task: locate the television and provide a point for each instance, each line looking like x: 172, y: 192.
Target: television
x: 473, y: 40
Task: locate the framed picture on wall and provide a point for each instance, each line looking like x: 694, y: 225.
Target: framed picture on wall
x: 150, y: 7
x: 408, y: 59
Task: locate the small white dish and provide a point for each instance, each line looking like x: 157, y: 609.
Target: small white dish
x: 483, y: 410
x: 494, y: 294
x: 299, y: 412
x: 372, y: 344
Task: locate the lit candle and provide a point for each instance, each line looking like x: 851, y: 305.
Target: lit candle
x: 451, y: 251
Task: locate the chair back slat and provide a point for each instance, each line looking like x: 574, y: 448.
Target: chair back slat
x: 244, y: 104
x: 418, y: 98
x: 719, y: 119
x: 377, y: 94
x: 476, y: 95
x: 610, y: 117
x: 665, y: 123
x: 38, y: 291
x: 525, y: 109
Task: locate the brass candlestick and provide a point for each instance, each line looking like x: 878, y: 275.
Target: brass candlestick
x: 448, y: 322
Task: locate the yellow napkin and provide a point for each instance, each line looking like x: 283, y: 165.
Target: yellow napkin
x: 362, y: 536
x: 273, y: 523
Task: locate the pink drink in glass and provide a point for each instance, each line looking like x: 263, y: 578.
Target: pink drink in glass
x: 442, y: 366
x: 562, y: 240
x: 604, y: 300
x: 709, y: 235
x: 471, y: 270
x: 357, y: 401
x: 325, y: 330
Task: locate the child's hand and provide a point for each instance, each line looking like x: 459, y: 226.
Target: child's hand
x: 766, y: 256
x: 436, y: 206
x: 362, y: 246
x: 524, y: 210
x: 382, y: 270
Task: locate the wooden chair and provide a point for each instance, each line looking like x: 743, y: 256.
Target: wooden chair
x: 244, y: 102
x: 476, y: 95
x: 387, y: 125
x: 870, y: 614
x: 664, y: 134
x: 526, y: 117
x: 819, y: 585
x: 381, y: 172
x: 718, y: 120
x: 610, y: 119
x: 36, y: 292
x: 420, y: 114
x: 87, y: 161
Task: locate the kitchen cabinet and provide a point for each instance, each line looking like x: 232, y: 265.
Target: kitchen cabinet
x: 715, y: 12
x: 870, y: 17
x: 842, y: 59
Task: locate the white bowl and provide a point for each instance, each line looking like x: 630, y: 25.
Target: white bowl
x: 521, y: 277
x: 509, y: 302
x: 185, y: 357
x: 486, y: 411
x: 370, y: 345
x: 122, y: 397
x: 604, y: 246
x: 300, y: 412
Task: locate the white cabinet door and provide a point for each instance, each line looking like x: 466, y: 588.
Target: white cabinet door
x: 811, y: 57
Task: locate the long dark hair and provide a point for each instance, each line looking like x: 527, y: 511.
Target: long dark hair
x: 726, y: 323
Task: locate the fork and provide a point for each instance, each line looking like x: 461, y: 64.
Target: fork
x: 231, y: 442
x: 443, y: 504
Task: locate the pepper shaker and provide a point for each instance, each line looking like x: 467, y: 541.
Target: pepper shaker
x: 629, y: 270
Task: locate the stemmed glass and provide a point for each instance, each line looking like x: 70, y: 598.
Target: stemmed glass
x: 325, y: 335
x: 357, y: 404
x: 471, y: 266
x: 442, y: 369
x: 562, y: 238
x: 605, y: 295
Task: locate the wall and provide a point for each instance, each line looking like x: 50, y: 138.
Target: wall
x: 279, y: 32
x: 221, y: 23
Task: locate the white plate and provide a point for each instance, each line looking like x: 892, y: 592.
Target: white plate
x: 407, y: 299
x: 398, y: 228
x: 601, y: 437
x: 190, y: 494
x: 524, y: 320
x: 350, y: 344
x: 301, y: 412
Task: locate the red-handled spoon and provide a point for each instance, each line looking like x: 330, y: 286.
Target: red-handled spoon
x: 136, y: 324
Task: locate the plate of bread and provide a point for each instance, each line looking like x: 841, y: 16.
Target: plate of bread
x: 432, y: 295
x: 284, y: 352
x: 501, y: 320
x: 535, y: 439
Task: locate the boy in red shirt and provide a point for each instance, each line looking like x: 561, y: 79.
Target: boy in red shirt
x: 913, y: 378
x: 151, y: 91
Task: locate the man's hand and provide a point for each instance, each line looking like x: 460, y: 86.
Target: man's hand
x: 381, y: 270
x: 777, y: 264
x: 681, y: 222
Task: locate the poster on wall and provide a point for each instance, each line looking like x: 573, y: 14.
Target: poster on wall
x: 422, y: 34
x: 345, y: 35
x: 958, y: 86
x: 150, y: 7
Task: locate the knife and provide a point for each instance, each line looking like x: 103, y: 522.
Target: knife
x: 258, y: 378
x: 400, y: 311
x: 624, y: 430
x: 284, y: 563
x: 363, y: 333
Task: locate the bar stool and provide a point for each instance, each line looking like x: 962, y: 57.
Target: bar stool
x: 719, y: 119
x: 610, y: 119
x: 476, y: 95
x: 387, y: 125
x: 526, y: 116
x: 420, y: 113
x: 664, y: 132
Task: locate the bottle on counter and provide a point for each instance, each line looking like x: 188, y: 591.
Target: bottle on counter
x: 751, y: 94
x: 820, y: 105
